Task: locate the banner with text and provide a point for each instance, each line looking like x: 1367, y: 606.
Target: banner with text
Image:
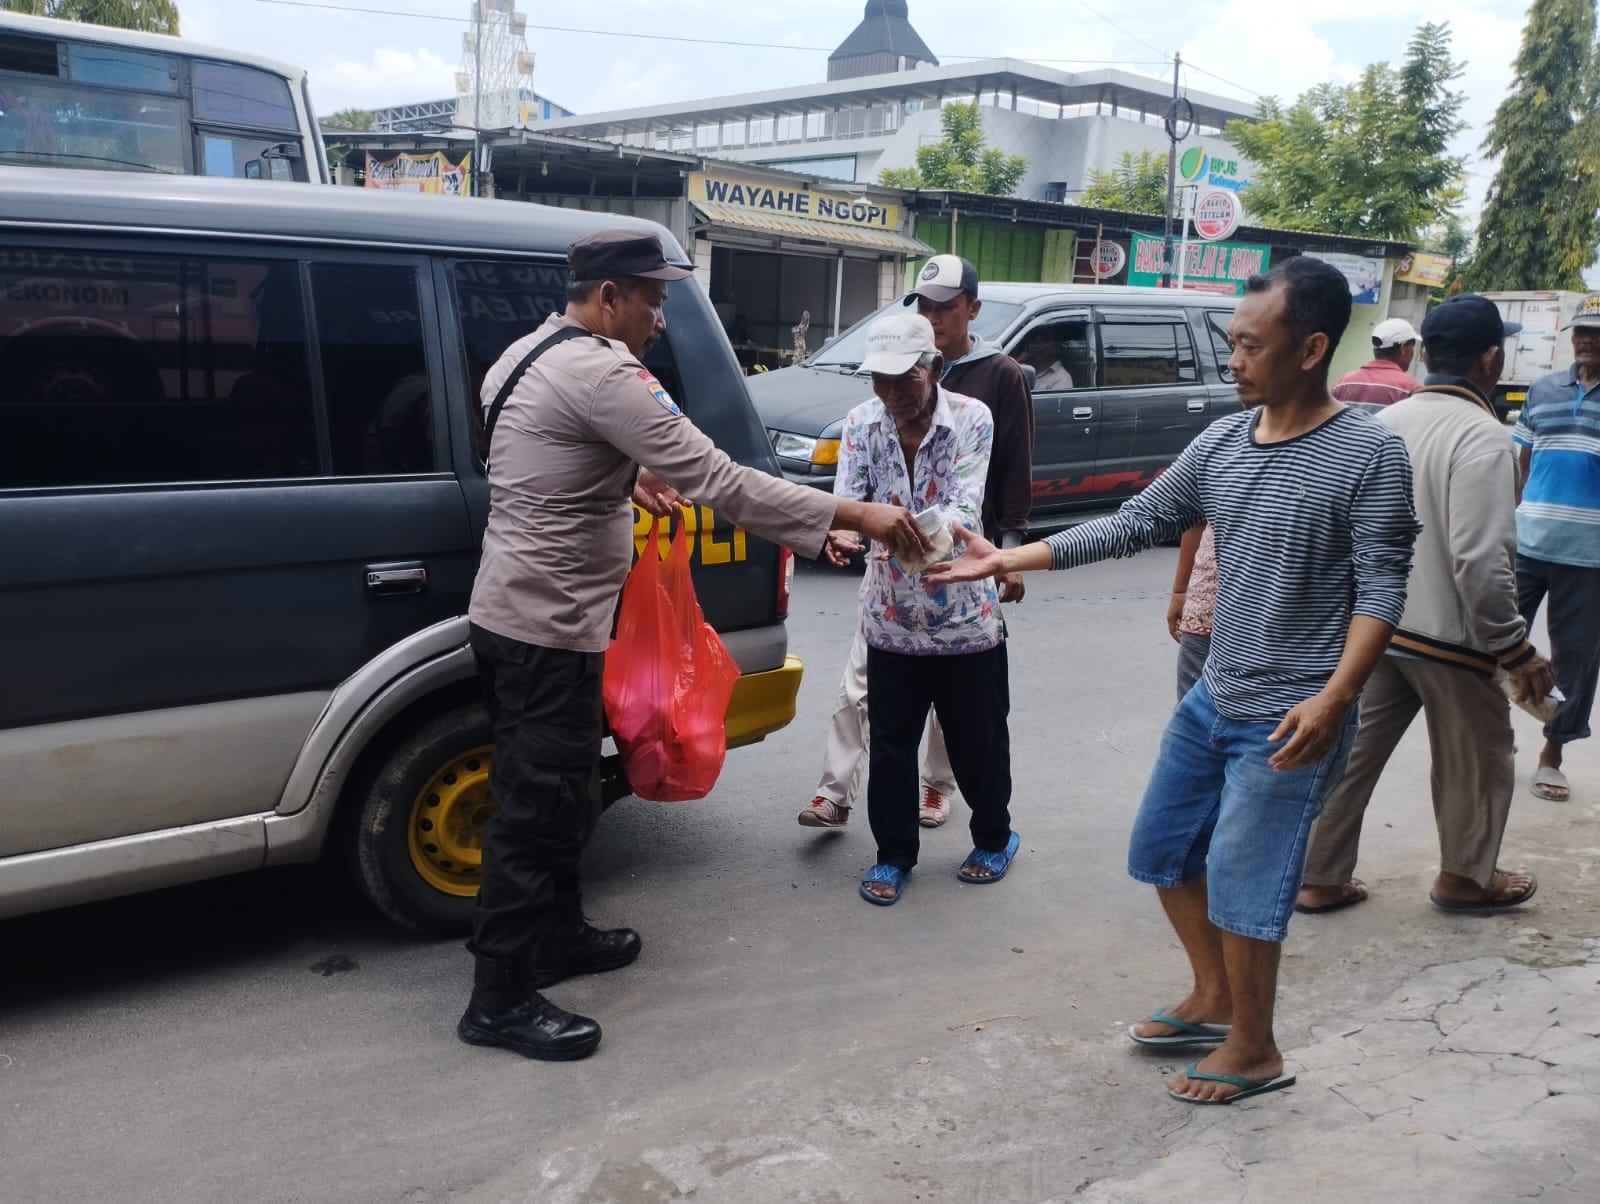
x: 421, y: 173
x: 1217, y: 267
x: 786, y: 201
x: 1424, y: 267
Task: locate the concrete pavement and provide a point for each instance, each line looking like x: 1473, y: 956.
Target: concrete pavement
x: 780, y: 1040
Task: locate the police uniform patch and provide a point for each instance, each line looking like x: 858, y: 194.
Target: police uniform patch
x: 663, y: 398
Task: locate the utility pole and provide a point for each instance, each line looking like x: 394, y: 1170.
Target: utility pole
x: 1172, y: 177
x: 477, y: 104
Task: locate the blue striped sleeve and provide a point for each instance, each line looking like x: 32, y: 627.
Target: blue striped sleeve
x: 1163, y: 510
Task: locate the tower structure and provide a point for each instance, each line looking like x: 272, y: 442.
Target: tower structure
x: 884, y: 42
x: 496, y: 76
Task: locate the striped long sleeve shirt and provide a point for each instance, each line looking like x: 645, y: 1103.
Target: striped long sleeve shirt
x: 1309, y: 532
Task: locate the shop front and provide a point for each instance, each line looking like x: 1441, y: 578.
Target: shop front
x: 789, y: 264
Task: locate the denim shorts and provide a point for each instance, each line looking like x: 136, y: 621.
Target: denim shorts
x: 1215, y: 809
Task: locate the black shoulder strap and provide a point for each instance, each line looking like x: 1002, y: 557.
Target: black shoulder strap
x: 565, y: 334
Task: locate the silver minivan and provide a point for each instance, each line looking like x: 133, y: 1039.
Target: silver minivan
x: 240, y: 510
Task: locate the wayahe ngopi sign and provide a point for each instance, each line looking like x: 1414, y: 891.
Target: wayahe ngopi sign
x: 781, y: 201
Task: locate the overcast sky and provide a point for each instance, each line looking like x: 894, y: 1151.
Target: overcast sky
x: 1243, y: 48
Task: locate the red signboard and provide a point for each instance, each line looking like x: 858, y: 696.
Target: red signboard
x: 1216, y: 214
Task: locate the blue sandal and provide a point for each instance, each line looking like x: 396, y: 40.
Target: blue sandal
x: 1247, y: 1087
x: 1186, y: 1034
x: 892, y: 876
x: 995, y: 863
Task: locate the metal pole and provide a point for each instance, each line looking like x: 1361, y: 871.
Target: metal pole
x: 838, y: 291
x: 1172, y: 178
x: 477, y: 98
x: 1183, y: 245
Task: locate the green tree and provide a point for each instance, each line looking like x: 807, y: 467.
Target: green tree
x: 348, y: 119
x: 1137, y: 184
x: 1538, y: 228
x: 152, y: 16
x: 960, y: 161
x: 1370, y: 158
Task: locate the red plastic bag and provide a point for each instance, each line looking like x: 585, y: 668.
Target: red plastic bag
x: 667, y: 680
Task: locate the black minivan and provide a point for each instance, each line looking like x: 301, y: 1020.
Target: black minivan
x: 241, y: 505
x: 1123, y: 378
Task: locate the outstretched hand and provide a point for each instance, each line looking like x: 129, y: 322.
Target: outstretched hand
x: 980, y: 559
x: 840, y: 546
x: 895, y: 529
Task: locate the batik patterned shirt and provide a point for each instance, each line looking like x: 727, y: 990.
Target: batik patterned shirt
x: 905, y: 612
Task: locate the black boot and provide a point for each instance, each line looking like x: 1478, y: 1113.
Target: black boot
x: 505, y: 1011
x: 584, y: 950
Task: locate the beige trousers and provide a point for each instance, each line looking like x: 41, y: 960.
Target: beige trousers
x: 1473, y: 768
x: 845, y: 755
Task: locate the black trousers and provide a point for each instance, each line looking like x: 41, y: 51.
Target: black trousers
x: 548, y: 721
x: 971, y: 694
x: 1574, y: 624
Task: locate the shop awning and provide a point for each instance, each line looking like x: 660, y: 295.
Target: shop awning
x: 782, y: 227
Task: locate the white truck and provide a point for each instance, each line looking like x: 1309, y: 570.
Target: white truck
x: 1541, y: 347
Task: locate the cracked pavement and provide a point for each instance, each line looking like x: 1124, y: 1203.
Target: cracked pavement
x: 779, y: 1040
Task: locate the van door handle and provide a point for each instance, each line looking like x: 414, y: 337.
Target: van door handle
x: 1083, y: 413
x: 409, y: 577
x: 1197, y: 405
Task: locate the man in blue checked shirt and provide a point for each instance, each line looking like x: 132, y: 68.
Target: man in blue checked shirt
x: 1558, y: 535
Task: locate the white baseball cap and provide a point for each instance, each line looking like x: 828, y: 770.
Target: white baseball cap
x: 895, y: 342
x: 1391, y: 332
x: 944, y: 278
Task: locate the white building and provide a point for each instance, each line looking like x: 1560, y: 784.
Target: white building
x: 882, y: 100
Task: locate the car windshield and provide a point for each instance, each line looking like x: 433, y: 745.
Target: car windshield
x: 844, y: 353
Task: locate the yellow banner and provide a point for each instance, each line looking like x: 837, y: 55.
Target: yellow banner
x: 781, y: 201
x: 421, y: 173
x: 1424, y: 267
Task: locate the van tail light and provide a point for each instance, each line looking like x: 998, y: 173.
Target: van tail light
x: 785, y: 580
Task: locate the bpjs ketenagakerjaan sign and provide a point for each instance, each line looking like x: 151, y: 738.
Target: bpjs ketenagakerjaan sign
x: 784, y: 201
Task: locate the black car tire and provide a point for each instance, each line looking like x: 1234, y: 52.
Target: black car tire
x: 390, y: 871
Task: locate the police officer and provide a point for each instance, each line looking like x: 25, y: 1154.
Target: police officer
x: 564, y: 458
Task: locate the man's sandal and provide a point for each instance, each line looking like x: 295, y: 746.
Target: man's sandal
x: 891, y: 876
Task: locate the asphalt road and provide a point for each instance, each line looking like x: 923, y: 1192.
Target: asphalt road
x: 266, y: 1039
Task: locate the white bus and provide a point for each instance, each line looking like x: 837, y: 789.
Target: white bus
x: 77, y: 95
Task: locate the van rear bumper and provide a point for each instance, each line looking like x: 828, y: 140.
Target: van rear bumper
x: 763, y: 702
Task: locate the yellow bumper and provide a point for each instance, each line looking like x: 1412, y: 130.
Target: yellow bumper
x: 763, y: 702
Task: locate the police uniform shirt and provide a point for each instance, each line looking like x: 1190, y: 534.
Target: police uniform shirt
x: 565, y: 449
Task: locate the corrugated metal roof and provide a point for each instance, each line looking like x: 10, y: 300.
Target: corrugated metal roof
x: 832, y: 233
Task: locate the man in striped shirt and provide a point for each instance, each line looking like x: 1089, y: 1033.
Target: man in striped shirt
x: 1311, y: 504
x: 1558, y: 535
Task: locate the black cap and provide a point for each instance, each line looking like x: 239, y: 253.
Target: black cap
x: 1466, y: 324
x: 614, y: 254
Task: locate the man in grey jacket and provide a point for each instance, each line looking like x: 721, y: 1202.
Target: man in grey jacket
x: 1461, y: 628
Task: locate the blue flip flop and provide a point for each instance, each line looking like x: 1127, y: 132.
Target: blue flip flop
x: 1187, y: 1034
x: 892, y: 875
x: 1247, y: 1087
x: 996, y: 863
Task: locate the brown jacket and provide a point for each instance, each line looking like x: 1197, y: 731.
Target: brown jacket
x: 994, y: 378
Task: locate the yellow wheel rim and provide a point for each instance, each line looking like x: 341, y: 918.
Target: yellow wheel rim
x: 445, y: 828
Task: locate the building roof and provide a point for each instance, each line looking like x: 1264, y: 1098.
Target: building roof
x: 885, y: 29
x: 937, y: 202
x: 1117, y: 90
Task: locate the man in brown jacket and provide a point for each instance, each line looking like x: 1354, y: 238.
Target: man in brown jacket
x: 564, y: 458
